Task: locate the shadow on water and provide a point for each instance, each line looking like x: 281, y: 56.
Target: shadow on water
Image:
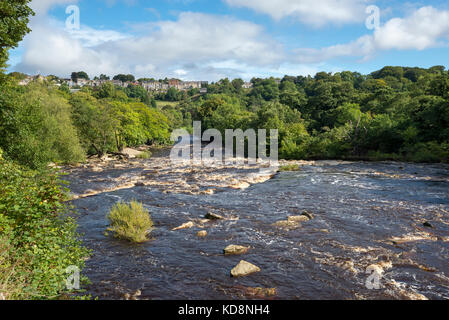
x: 364, y: 214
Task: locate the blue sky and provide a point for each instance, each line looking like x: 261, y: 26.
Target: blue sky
x: 213, y: 39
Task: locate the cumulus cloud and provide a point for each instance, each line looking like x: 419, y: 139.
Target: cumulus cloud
x: 424, y: 28
x: 312, y: 12
x: 196, y: 46
x: 181, y: 48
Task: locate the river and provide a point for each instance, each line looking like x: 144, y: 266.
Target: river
x: 393, y: 216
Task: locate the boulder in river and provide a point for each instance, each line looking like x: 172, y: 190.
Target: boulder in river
x: 298, y: 219
x: 234, y: 250
x: 213, y: 216
x: 261, y: 292
x: 186, y: 225
x: 202, y: 233
x: 308, y: 215
x: 427, y: 224
x: 244, y: 268
x: 131, y: 153
x: 287, y: 224
x: 294, y: 221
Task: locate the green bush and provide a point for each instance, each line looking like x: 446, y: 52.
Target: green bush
x: 130, y: 222
x: 144, y: 155
x: 431, y: 152
x: 42, y: 237
x: 36, y: 126
x: 290, y: 167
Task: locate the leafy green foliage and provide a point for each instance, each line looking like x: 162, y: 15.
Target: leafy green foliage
x: 130, y: 222
x: 42, y: 237
x: 125, y: 77
x: 79, y: 75
x: 14, y: 18
x: 144, y: 155
x: 395, y: 113
x: 290, y: 167
x: 36, y: 126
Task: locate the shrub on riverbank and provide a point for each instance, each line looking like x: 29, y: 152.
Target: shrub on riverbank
x: 130, y: 222
x: 38, y: 237
x: 144, y: 155
x: 289, y: 167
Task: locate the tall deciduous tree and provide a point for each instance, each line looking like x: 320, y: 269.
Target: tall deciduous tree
x: 14, y: 18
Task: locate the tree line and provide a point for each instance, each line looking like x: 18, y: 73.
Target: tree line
x: 396, y: 113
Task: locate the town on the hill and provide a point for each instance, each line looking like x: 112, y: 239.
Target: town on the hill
x: 80, y: 79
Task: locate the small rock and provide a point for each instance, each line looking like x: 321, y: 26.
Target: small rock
x: 233, y: 249
x: 427, y: 224
x: 298, y: 219
x: 348, y: 266
x: 138, y: 293
x: 308, y: 215
x: 202, y: 234
x: 131, y: 153
x: 261, y: 292
x: 139, y: 184
x: 186, y: 225
x: 213, y: 216
x: 287, y: 224
x: 244, y: 268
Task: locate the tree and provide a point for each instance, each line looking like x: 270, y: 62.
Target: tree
x: 94, y: 123
x: 14, y: 18
x: 125, y: 78
x: 79, y: 75
x: 36, y: 126
x: 138, y: 92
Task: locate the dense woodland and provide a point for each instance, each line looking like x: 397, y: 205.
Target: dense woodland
x: 392, y: 114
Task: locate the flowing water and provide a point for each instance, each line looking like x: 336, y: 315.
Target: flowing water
x: 365, y: 214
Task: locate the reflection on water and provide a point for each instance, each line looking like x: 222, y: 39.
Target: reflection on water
x: 364, y: 214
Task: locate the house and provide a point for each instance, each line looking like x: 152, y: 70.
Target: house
x: 82, y: 82
x: 30, y: 79
x: 174, y: 83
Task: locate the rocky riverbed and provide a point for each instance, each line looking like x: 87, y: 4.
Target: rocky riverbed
x: 332, y: 230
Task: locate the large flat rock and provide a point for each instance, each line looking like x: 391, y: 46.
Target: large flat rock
x: 244, y: 268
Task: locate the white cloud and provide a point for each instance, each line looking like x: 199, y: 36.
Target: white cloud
x: 424, y: 28
x: 312, y: 12
x: 189, y: 44
x: 198, y: 46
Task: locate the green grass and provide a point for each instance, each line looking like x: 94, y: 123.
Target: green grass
x: 130, y: 222
x: 144, y: 155
x: 290, y: 167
